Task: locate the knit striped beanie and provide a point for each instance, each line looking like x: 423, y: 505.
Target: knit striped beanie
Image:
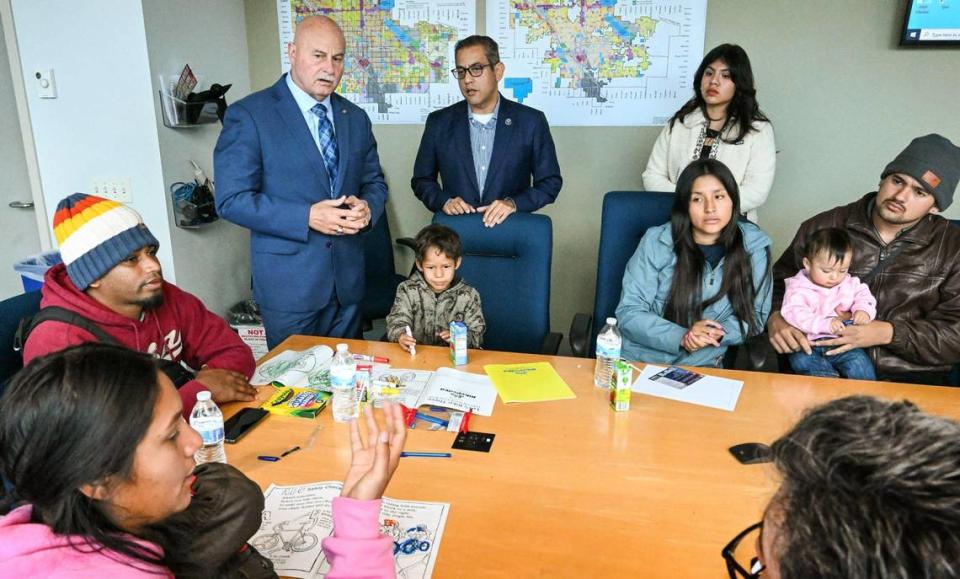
x: 95, y: 234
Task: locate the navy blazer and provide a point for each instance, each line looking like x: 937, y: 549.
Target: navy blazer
x: 523, y: 165
x: 269, y: 172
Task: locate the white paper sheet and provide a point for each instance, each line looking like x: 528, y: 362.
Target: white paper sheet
x: 461, y: 391
x: 297, y: 518
x: 446, y: 387
x: 308, y: 368
x: 720, y: 393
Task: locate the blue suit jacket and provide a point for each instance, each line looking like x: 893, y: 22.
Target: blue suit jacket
x: 269, y: 172
x: 523, y: 165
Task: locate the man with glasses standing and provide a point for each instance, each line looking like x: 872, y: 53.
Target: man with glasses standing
x: 492, y: 155
x: 297, y: 164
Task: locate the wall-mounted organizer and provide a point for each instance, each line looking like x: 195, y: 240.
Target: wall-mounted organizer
x: 178, y: 114
x: 193, y: 204
x: 199, y: 108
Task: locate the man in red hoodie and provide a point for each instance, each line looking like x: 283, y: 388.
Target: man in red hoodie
x: 110, y: 275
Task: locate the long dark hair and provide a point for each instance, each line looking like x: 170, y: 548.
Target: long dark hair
x: 743, y: 110
x: 73, y: 418
x: 685, y: 305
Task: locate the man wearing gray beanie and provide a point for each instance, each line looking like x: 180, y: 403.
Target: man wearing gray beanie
x: 908, y: 255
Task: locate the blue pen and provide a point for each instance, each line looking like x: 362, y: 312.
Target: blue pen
x: 433, y: 419
x: 268, y: 458
x: 426, y: 454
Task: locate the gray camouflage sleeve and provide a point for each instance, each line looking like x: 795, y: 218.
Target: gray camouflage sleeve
x: 473, y: 318
x: 401, y: 314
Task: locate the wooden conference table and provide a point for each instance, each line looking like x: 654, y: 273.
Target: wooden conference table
x: 571, y: 488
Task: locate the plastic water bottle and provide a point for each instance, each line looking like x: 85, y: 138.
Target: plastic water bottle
x: 608, y: 352
x: 343, y: 372
x: 207, y: 420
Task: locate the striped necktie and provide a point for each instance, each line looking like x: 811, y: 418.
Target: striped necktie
x: 328, y: 145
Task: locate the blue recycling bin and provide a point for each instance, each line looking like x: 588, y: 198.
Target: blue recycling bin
x: 32, y: 269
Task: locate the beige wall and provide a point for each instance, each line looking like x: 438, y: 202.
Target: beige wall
x: 844, y: 99
x: 213, y: 261
x: 87, y: 132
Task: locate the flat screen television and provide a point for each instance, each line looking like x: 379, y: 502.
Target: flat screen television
x: 931, y: 23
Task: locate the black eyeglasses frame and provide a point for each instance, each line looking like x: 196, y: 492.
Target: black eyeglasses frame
x: 475, y: 71
x: 734, y: 569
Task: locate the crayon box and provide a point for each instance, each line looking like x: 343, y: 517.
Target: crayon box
x: 302, y: 402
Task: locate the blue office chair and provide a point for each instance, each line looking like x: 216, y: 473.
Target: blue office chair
x: 626, y: 217
x: 380, y: 276
x: 509, y: 265
x: 13, y: 310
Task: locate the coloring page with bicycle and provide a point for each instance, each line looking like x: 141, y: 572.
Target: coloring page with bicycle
x: 297, y: 518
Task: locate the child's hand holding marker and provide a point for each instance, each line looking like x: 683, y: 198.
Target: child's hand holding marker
x: 408, y: 342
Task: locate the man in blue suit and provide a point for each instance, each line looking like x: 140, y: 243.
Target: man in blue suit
x: 493, y: 155
x: 297, y: 164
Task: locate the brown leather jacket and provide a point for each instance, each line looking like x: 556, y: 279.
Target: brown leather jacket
x: 917, y: 288
x: 209, y: 539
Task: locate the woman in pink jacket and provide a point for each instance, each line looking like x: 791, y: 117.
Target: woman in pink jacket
x: 821, y: 300
x: 100, y: 462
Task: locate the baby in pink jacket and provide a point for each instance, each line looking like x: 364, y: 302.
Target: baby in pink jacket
x: 816, y: 301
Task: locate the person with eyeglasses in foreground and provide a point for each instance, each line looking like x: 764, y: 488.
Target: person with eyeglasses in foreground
x: 869, y: 488
x: 493, y: 156
x: 102, y: 480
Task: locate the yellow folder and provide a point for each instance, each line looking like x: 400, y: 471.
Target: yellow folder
x: 534, y: 382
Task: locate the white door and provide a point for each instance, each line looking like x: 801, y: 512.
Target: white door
x: 18, y: 222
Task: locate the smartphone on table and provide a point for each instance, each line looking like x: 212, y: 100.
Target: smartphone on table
x: 241, y: 423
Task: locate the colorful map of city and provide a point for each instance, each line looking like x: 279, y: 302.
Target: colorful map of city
x: 589, y: 43
x: 599, y: 62
x: 582, y: 62
x: 398, y: 53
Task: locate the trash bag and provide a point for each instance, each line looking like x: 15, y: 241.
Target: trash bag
x: 245, y: 313
x: 33, y: 268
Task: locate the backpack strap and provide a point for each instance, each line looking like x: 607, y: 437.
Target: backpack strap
x: 58, y: 314
x: 176, y: 372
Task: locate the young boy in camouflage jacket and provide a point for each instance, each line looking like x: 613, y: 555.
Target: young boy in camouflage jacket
x: 433, y: 296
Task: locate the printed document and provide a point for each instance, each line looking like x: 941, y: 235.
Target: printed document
x: 297, y: 518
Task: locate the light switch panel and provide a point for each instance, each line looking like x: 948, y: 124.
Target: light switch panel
x: 46, y: 85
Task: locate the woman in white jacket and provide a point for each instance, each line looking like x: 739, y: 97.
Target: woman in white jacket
x: 722, y: 121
